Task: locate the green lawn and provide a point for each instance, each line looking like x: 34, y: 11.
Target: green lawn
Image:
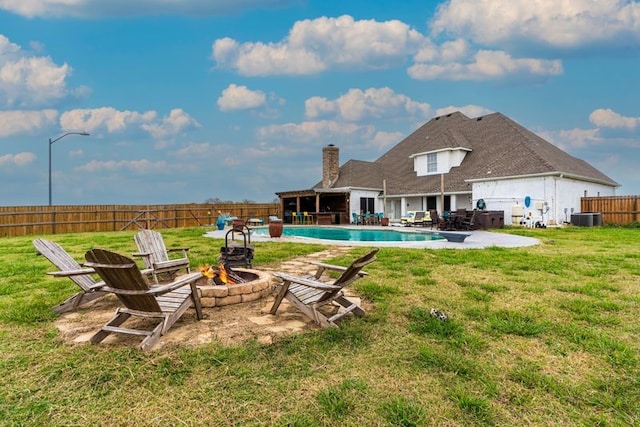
x: 544, y: 335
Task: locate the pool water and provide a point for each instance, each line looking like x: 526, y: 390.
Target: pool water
x: 351, y: 234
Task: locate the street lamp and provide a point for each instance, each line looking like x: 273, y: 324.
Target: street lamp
x: 51, y: 141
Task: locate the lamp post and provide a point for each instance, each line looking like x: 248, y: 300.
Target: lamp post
x: 51, y: 141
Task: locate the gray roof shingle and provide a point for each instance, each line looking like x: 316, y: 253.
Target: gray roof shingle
x: 500, y: 148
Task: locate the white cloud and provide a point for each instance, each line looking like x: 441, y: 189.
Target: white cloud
x: 18, y: 121
x: 135, y: 166
x: 28, y: 80
x: 194, y: 150
x: 384, y: 140
x: 486, y: 65
x: 171, y: 125
x: 373, y: 103
x: 610, y: 119
x: 320, y: 131
x: 563, y: 24
x: 20, y: 159
x: 102, y: 8
x: 313, y: 46
x: 113, y: 121
x: 572, y: 138
x: 104, y: 118
x: 236, y: 97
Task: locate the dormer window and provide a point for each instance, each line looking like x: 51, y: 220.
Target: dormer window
x: 438, y: 161
x: 432, y: 163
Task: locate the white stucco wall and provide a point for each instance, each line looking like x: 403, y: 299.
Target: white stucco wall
x: 553, y: 194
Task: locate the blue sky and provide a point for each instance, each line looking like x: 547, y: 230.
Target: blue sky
x: 187, y: 100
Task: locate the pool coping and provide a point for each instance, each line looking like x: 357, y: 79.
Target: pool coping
x: 476, y: 239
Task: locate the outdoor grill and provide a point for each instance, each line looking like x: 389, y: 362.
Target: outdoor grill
x: 232, y: 253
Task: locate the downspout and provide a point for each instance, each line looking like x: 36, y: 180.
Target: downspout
x: 442, y: 193
x: 384, y: 198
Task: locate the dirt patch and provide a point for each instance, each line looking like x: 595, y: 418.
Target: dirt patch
x: 227, y: 325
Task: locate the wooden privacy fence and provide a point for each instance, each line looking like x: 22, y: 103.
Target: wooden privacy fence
x: 30, y: 220
x: 620, y: 210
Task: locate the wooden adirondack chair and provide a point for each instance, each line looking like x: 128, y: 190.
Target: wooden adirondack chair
x: 69, y: 267
x: 155, y: 254
x: 165, y: 302
x: 309, y: 294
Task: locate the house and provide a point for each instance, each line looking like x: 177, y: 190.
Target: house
x: 454, y: 162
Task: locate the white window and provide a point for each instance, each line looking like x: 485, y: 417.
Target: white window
x: 432, y: 162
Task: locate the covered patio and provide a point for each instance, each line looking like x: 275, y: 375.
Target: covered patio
x: 322, y: 206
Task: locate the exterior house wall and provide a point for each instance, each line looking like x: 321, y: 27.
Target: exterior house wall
x: 356, y: 195
x: 461, y: 201
x: 508, y: 195
x: 570, y: 191
x: 549, y: 195
x: 398, y: 207
x: 414, y: 204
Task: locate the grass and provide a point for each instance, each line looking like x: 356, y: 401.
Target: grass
x: 544, y: 335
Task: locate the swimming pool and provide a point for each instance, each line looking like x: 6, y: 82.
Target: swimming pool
x: 351, y: 234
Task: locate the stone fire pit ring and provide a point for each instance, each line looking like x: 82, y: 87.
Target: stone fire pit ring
x: 259, y: 284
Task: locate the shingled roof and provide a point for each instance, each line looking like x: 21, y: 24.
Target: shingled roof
x: 499, y: 148
x: 358, y: 174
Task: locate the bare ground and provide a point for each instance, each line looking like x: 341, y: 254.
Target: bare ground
x: 228, y: 325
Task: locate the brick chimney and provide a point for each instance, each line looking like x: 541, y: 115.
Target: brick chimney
x: 330, y: 165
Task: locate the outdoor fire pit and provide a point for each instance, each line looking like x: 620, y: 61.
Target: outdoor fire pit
x: 241, y: 285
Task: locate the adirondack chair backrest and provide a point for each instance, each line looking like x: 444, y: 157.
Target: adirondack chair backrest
x: 63, y: 261
x: 121, y: 273
x: 352, y: 272
x: 151, y: 242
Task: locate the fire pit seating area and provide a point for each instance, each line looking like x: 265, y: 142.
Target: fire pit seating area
x: 221, y: 285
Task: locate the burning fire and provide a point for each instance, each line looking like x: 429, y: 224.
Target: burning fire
x: 221, y: 275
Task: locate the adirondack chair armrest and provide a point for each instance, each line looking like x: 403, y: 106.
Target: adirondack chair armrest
x: 323, y: 266
x: 179, y: 282
x: 146, y: 271
x: 68, y: 273
x: 307, y: 282
x: 141, y: 254
x: 184, y: 250
x: 155, y: 290
x: 329, y: 266
x: 170, y: 264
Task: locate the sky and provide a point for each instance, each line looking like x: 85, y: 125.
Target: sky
x: 191, y: 100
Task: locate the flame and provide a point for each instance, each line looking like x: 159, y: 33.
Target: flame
x: 222, y: 274
x: 207, y: 271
